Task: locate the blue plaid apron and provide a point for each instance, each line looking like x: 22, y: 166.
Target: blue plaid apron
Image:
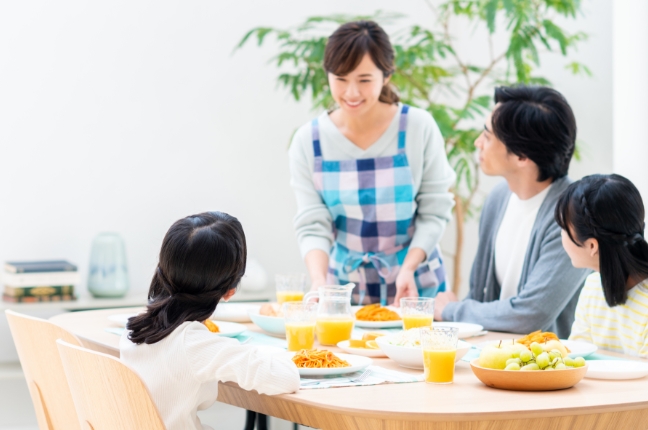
x: 373, y: 207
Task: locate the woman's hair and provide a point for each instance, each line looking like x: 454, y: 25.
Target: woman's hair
x: 348, y: 45
x: 608, y: 208
x: 202, y: 258
x: 536, y: 123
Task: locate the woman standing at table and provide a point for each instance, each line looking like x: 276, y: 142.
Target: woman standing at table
x: 371, y: 179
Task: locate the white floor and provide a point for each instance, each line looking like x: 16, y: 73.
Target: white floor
x: 17, y: 412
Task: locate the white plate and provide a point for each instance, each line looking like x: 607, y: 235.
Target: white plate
x: 577, y: 348
x: 357, y: 363
x: 365, y: 352
x: 377, y: 324
x: 121, y: 319
x: 465, y: 329
x: 616, y: 369
x: 227, y: 329
x: 412, y: 356
x: 234, y: 312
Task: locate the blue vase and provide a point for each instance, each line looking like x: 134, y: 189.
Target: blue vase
x: 108, y: 273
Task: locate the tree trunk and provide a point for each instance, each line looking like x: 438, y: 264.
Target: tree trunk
x: 459, y: 218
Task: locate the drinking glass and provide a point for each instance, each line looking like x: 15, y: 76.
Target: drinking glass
x: 439, y: 347
x: 290, y: 287
x: 417, y: 312
x: 300, y: 319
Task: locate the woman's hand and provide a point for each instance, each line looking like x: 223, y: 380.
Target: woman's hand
x: 405, y: 285
x: 316, y: 283
x: 317, y: 264
x: 440, y: 302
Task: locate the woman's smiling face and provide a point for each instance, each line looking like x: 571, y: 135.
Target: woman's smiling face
x: 357, y: 92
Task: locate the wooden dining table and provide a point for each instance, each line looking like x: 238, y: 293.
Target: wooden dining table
x: 467, y: 404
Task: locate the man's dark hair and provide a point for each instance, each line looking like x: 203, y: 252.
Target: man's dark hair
x: 536, y: 123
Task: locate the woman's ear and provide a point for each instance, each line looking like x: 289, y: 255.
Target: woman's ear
x: 386, y: 80
x: 228, y: 295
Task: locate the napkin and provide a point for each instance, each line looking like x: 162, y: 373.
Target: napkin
x: 377, y: 375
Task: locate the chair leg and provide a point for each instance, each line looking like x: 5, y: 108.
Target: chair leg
x: 262, y: 422
x: 250, y: 418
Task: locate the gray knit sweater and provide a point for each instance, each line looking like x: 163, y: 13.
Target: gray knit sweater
x: 549, y: 284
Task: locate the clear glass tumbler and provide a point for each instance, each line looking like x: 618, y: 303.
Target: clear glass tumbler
x: 290, y: 287
x: 300, y: 320
x: 439, y: 347
x: 417, y: 312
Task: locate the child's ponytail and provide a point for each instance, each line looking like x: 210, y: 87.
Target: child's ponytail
x: 202, y: 258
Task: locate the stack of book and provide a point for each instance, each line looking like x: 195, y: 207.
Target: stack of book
x: 39, y: 281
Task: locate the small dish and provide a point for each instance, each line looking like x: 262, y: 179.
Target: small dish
x: 616, y: 369
x: 229, y: 329
x: 466, y: 330
x: 357, y: 363
x: 365, y: 352
x: 537, y: 380
x: 377, y: 324
x: 274, y: 326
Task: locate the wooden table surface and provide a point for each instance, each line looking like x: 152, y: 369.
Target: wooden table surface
x: 467, y: 404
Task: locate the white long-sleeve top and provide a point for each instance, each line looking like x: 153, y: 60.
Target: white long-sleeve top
x: 431, y: 174
x: 182, y: 371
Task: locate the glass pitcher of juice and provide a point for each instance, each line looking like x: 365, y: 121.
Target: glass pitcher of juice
x: 334, y: 321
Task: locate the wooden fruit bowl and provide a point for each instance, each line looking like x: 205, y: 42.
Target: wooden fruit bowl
x: 518, y: 380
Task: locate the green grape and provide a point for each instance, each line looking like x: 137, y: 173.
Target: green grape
x: 526, y: 356
x: 531, y: 366
x: 512, y: 366
x: 516, y: 353
x: 561, y: 366
x: 579, y: 362
x: 513, y: 360
x: 569, y: 362
x: 536, y: 349
x: 556, y: 361
x: 554, y: 353
x: 543, y: 360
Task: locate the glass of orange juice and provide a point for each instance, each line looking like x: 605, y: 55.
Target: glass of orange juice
x: 417, y: 312
x: 290, y: 287
x: 300, y: 318
x: 439, y: 347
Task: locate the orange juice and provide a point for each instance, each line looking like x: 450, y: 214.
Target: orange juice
x: 289, y: 296
x: 439, y: 365
x: 332, y: 331
x: 300, y: 336
x: 413, y: 321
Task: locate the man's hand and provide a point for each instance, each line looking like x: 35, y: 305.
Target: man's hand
x: 440, y: 302
x: 405, y: 285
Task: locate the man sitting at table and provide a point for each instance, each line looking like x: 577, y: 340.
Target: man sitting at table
x: 522, y: 279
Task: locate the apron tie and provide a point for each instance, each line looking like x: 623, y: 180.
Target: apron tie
x: 354, y: 261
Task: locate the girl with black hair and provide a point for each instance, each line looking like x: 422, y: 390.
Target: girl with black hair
x: 181, y: 362
x: 602, y: 220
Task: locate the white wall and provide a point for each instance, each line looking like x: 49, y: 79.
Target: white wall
x: 630, y: 65
x: 126, y: 116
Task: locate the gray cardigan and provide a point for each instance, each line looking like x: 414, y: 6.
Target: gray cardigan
x: 549, y: 285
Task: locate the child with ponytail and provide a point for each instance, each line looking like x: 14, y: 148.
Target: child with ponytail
x: 181, y: 362
x: 602, y: 220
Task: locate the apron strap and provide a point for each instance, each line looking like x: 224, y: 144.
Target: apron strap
x: 317, y: 150
x: 402, y: 129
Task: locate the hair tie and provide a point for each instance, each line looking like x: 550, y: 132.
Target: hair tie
x: 639, y: 237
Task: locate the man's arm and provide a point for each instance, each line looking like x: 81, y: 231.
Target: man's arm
x: 549, y: 287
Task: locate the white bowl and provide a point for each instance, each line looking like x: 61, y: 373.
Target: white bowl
x: 411, y: 356
x: 271, y: 325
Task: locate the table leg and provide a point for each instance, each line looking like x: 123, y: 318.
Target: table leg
x: 250, y: 418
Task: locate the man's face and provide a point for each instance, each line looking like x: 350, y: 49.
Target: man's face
x: 494, y: 158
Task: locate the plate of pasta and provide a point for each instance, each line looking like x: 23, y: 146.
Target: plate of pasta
x: 377, y: 316
x: 313, y: 362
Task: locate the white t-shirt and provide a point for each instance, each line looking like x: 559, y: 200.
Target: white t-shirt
x: 182, y: 371
x: 512, y: 240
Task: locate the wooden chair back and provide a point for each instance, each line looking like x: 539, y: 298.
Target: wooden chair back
x: 35, y: 340
x: 107, y: 394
